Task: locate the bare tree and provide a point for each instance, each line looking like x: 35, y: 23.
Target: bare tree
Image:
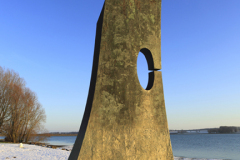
x: 3, y: 99
x: 7, y: 79
x: 21, y: 113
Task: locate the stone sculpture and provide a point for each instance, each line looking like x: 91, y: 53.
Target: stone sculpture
x: 122, y: 120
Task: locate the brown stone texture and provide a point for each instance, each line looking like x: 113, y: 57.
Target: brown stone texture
x: 127, y: 122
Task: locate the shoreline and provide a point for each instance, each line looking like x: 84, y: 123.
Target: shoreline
x: 50, y: 135
x: 47, y: 145
x: 31, y: 151
x: 42, y: 148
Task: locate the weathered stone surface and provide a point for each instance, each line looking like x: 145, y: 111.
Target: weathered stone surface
x: 123, y: 121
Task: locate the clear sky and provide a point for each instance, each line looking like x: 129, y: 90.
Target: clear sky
x: 50, y: 43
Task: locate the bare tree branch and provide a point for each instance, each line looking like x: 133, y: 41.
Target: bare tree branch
x: 21, y: 115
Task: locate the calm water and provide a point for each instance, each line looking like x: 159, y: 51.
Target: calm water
x: 221, y: 146
x: 61, y: 140
x: 58, y: 140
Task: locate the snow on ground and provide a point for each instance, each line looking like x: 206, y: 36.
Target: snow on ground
x: 33, y: 152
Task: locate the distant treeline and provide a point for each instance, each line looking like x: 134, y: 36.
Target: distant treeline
x: 58, y: 134
x: 63, y: 133
x: 221, y: 129
x: 225, y: 129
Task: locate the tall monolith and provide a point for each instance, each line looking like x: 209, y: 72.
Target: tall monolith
x: 122, y: 120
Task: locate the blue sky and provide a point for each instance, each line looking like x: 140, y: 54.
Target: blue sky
x: 51, y: 43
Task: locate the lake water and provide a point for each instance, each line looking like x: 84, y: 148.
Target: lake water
x: 61, y: 140
x: 219, y: 146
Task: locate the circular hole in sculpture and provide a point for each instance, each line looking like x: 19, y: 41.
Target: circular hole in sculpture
x: 144, y: 66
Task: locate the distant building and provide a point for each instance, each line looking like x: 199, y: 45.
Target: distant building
x: 173, y: 132
x: 197, y: 131
x: 203, y: 131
